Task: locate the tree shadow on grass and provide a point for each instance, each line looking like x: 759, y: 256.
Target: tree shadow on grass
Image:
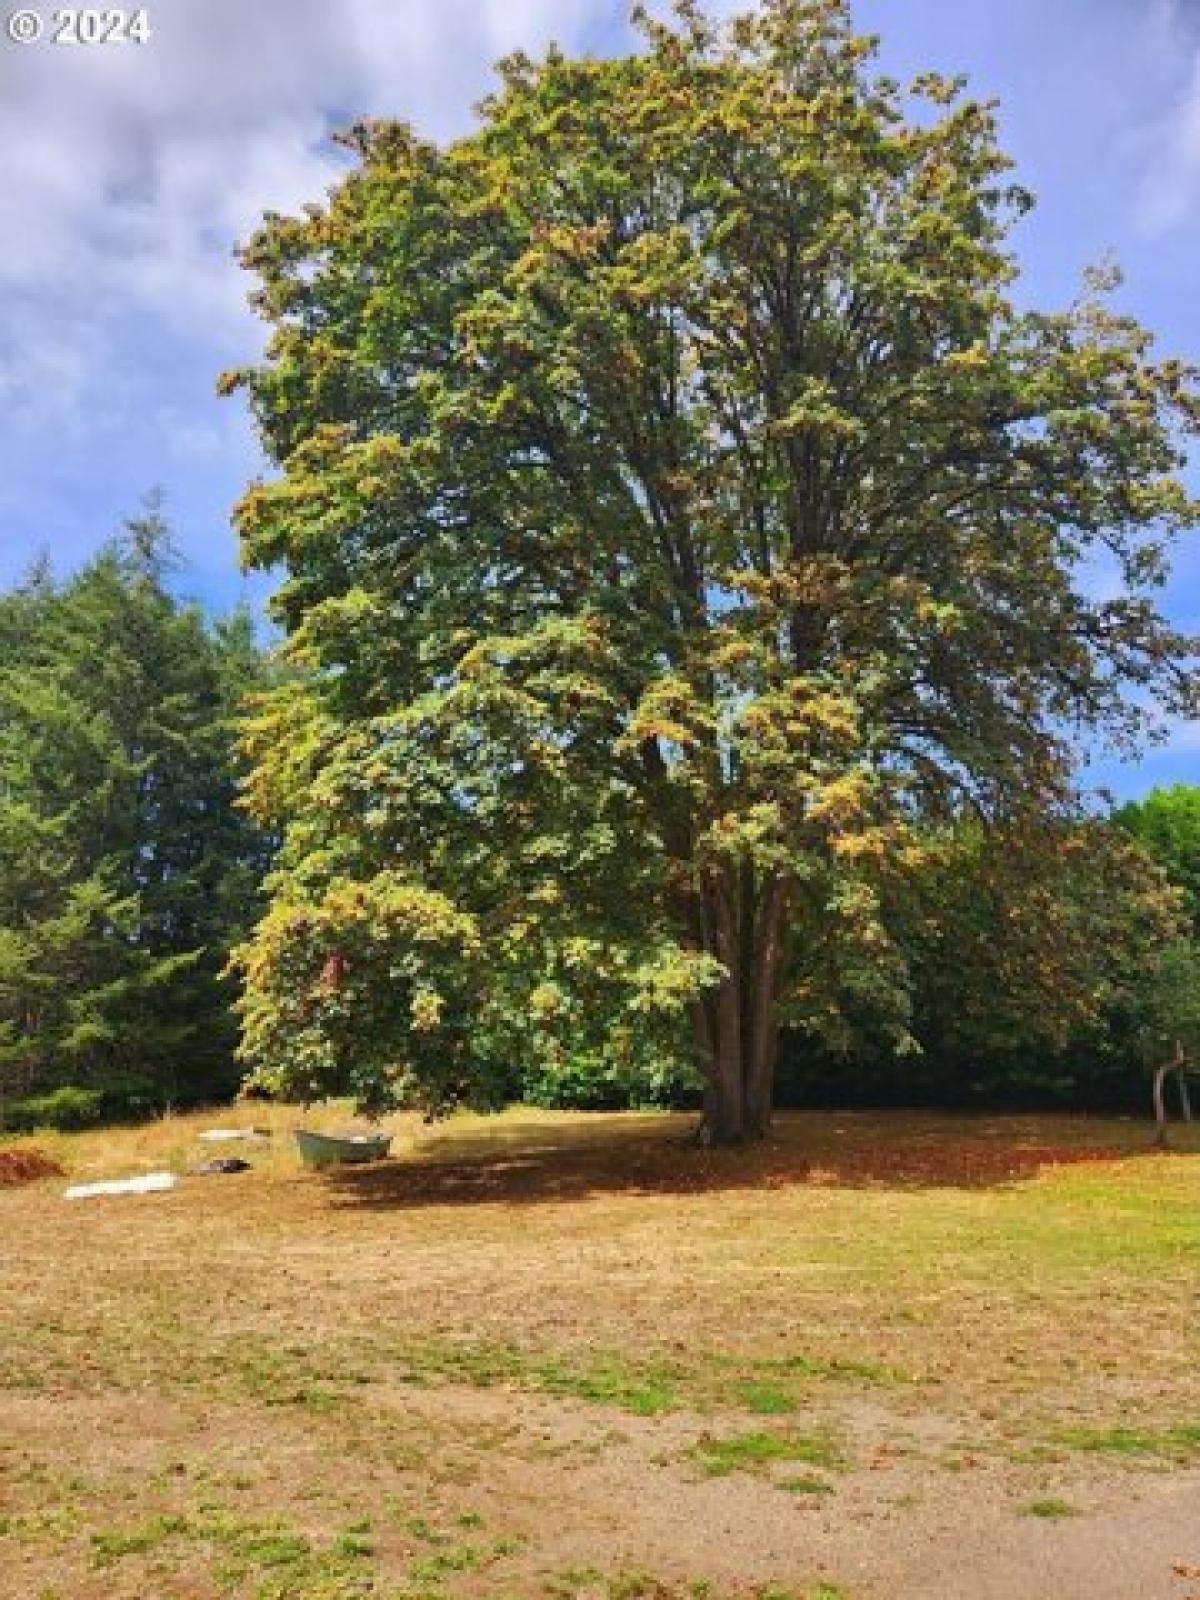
x: 652, y: 1156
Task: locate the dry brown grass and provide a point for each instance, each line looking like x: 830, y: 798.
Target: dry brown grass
x: 504, y: 1363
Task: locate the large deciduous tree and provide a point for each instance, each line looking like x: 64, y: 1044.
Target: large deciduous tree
x: 675, y: 508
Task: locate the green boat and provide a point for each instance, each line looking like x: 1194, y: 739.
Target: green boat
x: 340, y: 1149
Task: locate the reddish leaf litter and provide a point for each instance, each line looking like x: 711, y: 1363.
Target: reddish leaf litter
x: 966, y: 1164
x: 26, y: 1166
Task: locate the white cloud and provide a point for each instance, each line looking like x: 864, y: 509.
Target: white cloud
x: 130, y: 171
x: 1168, y: 141
x: 1171, y: 189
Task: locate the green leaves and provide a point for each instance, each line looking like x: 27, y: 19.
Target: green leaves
x: 335, y: 979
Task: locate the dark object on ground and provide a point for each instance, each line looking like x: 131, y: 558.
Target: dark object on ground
x: 26, y: 1166
x: 221, y: 1164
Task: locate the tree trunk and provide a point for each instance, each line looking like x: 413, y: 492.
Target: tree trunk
x: 1160, y: 1110
x: 1179, y: 1067
x: 762, y: 1046
x: 738, y: 1032
x: 727, y: 1125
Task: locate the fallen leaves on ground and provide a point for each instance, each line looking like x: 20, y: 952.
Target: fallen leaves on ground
x: 26, y: 1166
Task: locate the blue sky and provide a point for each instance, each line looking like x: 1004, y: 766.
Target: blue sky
x: 130, y: 171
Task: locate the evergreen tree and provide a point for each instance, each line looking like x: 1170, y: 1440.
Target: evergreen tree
x: 126, y: 868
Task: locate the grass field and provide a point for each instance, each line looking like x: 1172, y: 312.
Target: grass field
x: 915, y: 1357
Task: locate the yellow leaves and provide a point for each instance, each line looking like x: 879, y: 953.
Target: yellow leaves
x: 973, y: 358
x: 672, y: 980
x: 575, y: 244
x: 760, y: 832
x: 823, y: 582
x: 649, y: 726
x: 841, y: 801
x: 671, y: 709
x: 285, y: 737
x: 557, y: 643
x: 871, y: 844
x: 545, y: 1002
x: 733, y: 651
x: 426, y: 1009
x: 554, y: 247
x: 577, y: 954
x: 546, y: 755
x: 938, y: 89
x: 803, y: 717
x: 389, y: 910
x: 817, y: 416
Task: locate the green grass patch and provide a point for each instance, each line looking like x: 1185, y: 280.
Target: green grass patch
x: 806, y: 1485
x: 764, y: 1399
x: 444, y: 1563
x: 645, y: 1388
x: 749, y: 1452
x: 1050, y: 1508
x: 280, y: 1562
x: 1180, y: 1443
x: 117, y: 1544
x: 813, y: 1368
x: 578, y: 1581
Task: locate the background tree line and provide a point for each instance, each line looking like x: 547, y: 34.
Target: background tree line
x: 127, y: 871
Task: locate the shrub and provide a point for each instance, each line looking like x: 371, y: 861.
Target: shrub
x: 64, y: 1109
x: 585, y: 1083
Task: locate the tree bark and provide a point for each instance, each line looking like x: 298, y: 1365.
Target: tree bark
x: 728, y: 1125
x: 1179, y: 1066
x: 747, y: 918
x: 763, y: 1042
x: 1160, y: 1110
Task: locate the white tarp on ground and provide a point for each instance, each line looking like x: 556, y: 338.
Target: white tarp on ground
x: 148, y: 1183
x: 220, y: 1135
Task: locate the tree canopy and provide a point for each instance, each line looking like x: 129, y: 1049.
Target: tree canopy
x: 126, y: 870
x: 1167, y: 823
x: 679, y: 516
